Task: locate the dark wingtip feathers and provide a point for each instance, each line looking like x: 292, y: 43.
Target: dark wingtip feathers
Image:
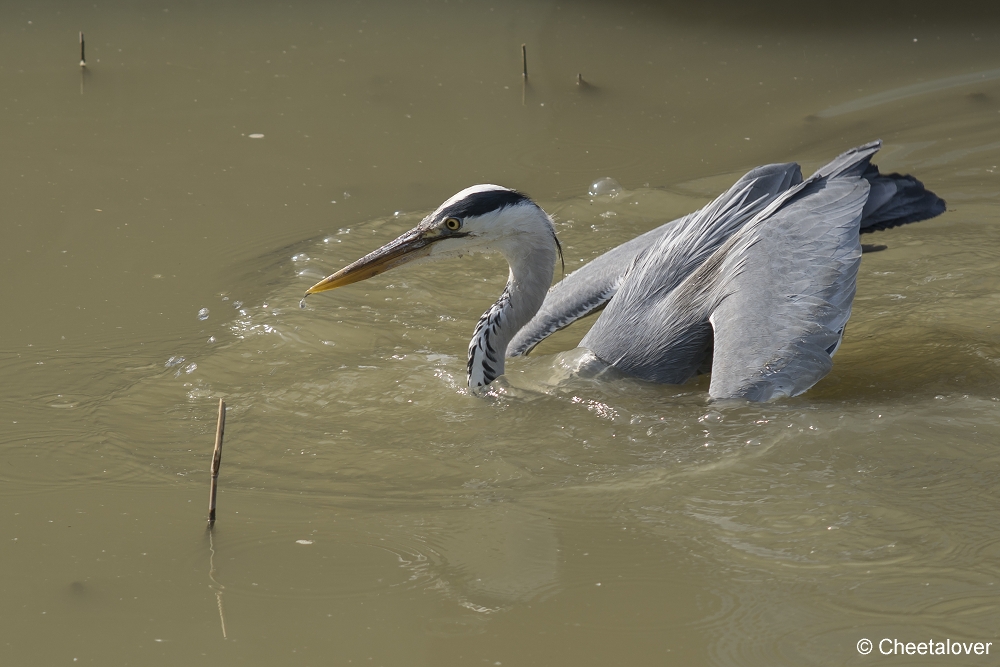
x: 911, y: 202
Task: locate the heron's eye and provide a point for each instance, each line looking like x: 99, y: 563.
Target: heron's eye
x: 454, y: 224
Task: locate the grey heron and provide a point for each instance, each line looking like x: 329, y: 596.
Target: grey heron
x: 756, y: 287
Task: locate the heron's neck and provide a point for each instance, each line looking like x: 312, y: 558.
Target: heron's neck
x: 532, y: 263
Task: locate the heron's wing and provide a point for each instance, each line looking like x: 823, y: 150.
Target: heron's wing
x: 784, y: 292
x: 787, y: 248
x: 680, y: 245
x: 653, y: 334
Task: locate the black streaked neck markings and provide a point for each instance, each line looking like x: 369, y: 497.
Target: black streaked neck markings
x: 483, y: 352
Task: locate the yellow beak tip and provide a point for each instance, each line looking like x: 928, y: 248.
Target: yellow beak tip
x: 331, y: 282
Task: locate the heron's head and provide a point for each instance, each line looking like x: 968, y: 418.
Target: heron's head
x: 478, y: 219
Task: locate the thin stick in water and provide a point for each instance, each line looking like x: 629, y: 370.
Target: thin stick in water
x: 524, y: 59
x: 83, y: 57
x: 220, y: 429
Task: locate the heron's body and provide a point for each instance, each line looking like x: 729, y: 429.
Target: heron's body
x: 758, y: 285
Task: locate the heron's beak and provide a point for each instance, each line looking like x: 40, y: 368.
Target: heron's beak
x: 414, y: 244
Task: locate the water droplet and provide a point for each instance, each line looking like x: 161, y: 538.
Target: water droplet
x: 174, y: 361
x: 191, y: 368
x: 203, y: 314
x: 302, y: 304
x: 237, y: 304
x: 256, y: 135
x: 303, y: 541
x: 605, y: 186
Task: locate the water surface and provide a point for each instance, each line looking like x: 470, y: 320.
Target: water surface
x: 372, y: 511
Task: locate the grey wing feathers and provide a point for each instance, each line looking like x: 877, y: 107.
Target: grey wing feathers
x: 852, y: 162
x: 653, y: 333
x: 777, y: 294
x: 785, y: 291
x: 592, y: 287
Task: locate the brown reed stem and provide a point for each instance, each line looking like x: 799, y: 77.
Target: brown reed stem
x: 220, y: 429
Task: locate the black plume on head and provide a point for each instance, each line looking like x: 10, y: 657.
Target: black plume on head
x: 481, y: 203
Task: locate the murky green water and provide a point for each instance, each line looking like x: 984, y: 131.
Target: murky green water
x: 371, y: 510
